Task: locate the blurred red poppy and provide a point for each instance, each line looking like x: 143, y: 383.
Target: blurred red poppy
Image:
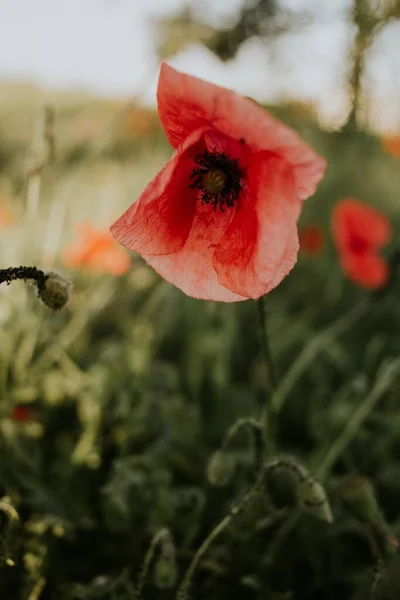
x: 96, y: 250
x: 6, y: 218
x: 311, y: 240
x: 392, y: 145
x: 219, y: 221
x: 22, y: 414
x: 359, y: 232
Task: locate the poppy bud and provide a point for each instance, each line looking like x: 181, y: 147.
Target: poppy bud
x: 387, y: 583
x: 54, y: 291
x: 312, y: 498
x: 165, y: 570
x: 220, y: 468
x: 358, y: 495
x: 310, y: 494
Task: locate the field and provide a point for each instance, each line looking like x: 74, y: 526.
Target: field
x: 129, y: 424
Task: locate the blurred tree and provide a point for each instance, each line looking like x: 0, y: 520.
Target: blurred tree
x: 269, y: 19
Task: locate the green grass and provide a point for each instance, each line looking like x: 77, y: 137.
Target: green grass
x: 134, y: 387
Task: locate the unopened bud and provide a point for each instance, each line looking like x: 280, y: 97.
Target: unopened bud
x: 310, y: 494
x: 358, y: 495
x: 313, y: 499
x: 220, y: 468
x: 387, y: 582
x: 165, y: 571
x: 55, y: 291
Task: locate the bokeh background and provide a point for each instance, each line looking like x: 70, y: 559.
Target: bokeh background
x: 111, y: 409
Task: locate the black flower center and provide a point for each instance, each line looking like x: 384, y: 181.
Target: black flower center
x: 218, y: 179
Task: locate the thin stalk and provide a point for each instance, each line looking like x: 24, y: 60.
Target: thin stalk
x: 266, y: 347
x: 184, y: 588
x: 22, y: 273
x: 388, y: 374
x: 271, y: 374
x: 318, y: 344
x: 157, y: 540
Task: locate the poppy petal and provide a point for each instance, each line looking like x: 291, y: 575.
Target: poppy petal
x: 160, y: 220
x: 186, y: 103
x: 352, y: 218
x: 261, y: 244
x: 369, y: 271
x: 191, y: 268
x: 216, y: 141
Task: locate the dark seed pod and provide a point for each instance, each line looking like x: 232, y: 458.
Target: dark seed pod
x: 54, y: 291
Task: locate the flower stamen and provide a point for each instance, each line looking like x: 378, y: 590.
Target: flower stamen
x: 218, y: 178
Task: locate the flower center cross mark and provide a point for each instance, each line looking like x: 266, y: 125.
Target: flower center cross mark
x: 218, y: 179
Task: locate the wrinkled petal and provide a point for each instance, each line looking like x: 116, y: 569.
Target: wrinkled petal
x: 353, y: 219
x: 233, y: 260
x: 369, y: 271
x: 186, y: 103
x: 260, y: 246
x: 191, y: 268
x: 160, y: 220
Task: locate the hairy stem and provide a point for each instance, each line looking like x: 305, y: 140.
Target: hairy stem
x: 387, y: 376
x: 271, y: 375
x: 184, y: 589
x: 22, y: 273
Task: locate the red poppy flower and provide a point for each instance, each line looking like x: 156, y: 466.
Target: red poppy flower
x: 96, y: 250
x: 359, y: 232
x: 22, y: 414
x: 311, y: 240
x: 220, y: 219
x: 392, y: 145
x: 6, y: 218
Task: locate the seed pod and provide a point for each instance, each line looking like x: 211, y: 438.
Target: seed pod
x: 54, y: 291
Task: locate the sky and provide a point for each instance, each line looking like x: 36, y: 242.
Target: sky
x: 107, y: 47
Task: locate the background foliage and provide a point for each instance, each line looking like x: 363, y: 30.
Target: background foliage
x: 132, y: 388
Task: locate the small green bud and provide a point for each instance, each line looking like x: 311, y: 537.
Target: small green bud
x: 220, y: 468
x: 358, y: 495
x: 313, y: 499
x: 165, y: 571
x: 54, y: 291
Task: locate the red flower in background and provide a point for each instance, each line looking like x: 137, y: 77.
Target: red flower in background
x: 21, y: 414
x: 311, y: 240
x: 96, y: 250
x: 219, y: 221
x: 359, y: 232
x: 392, y: 145
x: 6, y: 218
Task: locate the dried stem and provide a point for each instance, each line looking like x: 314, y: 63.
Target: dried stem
x: 23, y: 273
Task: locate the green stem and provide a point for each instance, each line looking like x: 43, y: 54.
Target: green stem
x: 184, y: 588
x: 317, y: 344
x: 266, y: 348
x: 271, y: 375
x: 387, y: 376
x: 158, y: 539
